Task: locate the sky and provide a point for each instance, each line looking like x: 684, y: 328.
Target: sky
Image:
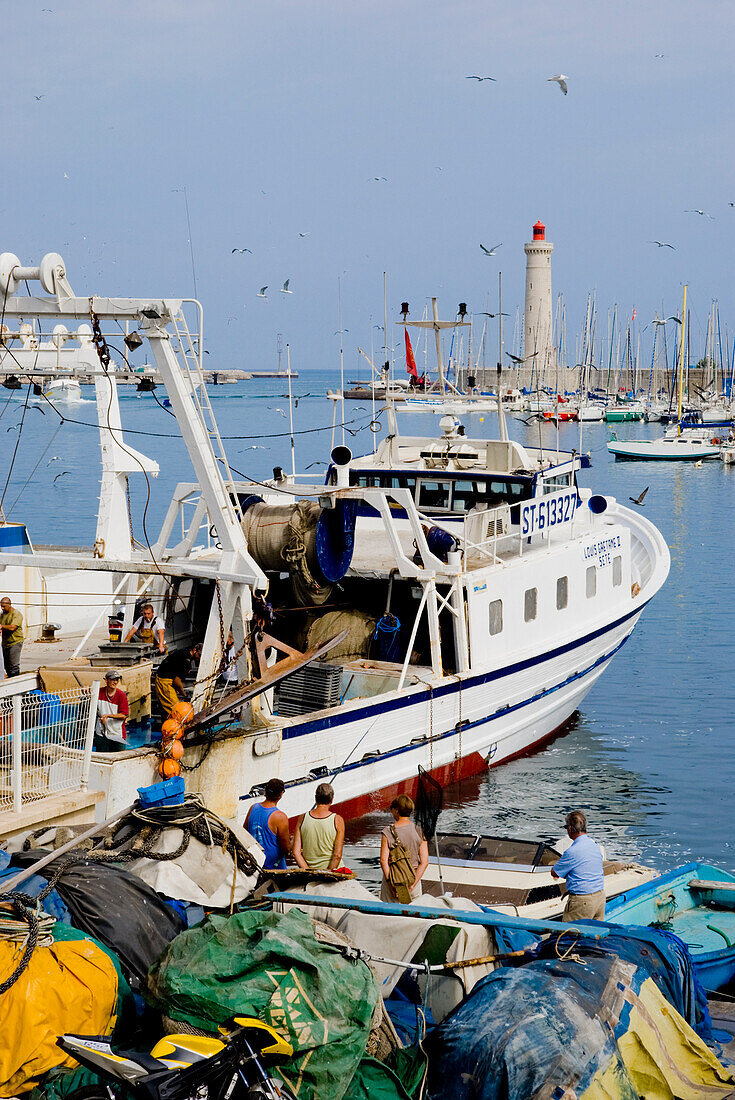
x: 276, y: 116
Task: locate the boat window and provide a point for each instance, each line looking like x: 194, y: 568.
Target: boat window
x: 433, y: 493
x: 496, y: 616
x: 554, y: 484
x: 467, y: 494
x: 591, y: 581
x: 617, y: 571
x: 562, y: 593
x: 366, y: 481
x: 530, y: 604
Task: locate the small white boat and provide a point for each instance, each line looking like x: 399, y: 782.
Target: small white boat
x: 513, y: 876
x: 64, y: 388
x: 669, y: 449
x: 594, y: 411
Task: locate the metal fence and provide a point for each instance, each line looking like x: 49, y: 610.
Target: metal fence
x: 45, y: 743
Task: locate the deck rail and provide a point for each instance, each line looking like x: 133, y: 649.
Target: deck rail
x: 45, y: 743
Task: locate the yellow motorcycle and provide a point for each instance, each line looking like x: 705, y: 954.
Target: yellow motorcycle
x: 187, y: 1067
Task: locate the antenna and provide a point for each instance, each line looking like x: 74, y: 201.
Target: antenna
x: 279, y: 348
x: 341, y: 355
x: 290, y: 410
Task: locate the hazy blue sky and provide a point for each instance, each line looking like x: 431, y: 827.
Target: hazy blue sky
x: 276, y: 115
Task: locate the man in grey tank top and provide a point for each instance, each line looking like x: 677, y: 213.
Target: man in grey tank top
x: 320, y: 834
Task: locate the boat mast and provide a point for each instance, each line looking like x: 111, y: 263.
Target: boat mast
x: 681, y: 360
x: 501, y: 411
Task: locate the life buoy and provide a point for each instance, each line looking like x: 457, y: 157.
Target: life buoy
x: 714, y: 439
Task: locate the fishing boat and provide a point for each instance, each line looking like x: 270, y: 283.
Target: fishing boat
x: 467, y: 592
x: 697, y: 902
x: 624, y: 411
x: 512, y: 875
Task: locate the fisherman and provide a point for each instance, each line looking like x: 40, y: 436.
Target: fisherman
x: 112, y: 710
x: 581, y: 866
x: 228, y: 675
x: 11, y: 624
x: 403, y: 831
x: 320, y: 834
x: 269, y: 826
x: 149, y: 628
x: 171, y: 674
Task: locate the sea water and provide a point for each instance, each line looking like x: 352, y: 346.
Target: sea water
x: 650, y: 757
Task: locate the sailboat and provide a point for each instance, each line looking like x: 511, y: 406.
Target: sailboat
x: 676, y: 445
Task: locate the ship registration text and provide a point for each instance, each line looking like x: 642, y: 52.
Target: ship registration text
x: 549, y: 511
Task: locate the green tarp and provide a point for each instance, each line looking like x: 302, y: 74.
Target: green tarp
x: 272, y: 966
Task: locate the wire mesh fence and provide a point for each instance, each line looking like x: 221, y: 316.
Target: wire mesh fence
x: 45, y: 743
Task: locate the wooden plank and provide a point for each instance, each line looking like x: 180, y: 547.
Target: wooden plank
x: 703, y: 884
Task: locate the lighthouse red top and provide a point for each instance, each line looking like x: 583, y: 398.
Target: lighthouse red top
x: 539, y: 231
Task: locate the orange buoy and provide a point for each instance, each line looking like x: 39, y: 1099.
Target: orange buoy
x: 169, y: 768
x: 176, y: 750
x: 183, y: 712
x: 171, y: 728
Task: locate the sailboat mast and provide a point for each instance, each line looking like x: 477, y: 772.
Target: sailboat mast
x: 437, y: 337
x: 681, y: 359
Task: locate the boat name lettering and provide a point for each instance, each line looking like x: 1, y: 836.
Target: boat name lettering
x: 548, y: 511
x: 602, y: 550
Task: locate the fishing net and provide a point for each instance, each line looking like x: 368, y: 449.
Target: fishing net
x: 429, y: 800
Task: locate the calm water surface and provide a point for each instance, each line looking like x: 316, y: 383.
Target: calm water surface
x: 650, y: 758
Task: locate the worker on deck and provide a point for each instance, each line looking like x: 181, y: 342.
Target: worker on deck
x: 112, y: 711
x: 149, y: 628
x: 582, y: 867
x: 320, y: 834
x: 171, y: 674
x: 269, y: 826
x: 11, y: 625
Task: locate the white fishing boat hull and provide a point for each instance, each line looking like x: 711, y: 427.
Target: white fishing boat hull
x: 63, y: 389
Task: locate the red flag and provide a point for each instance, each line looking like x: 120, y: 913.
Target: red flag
x: 410, y: 361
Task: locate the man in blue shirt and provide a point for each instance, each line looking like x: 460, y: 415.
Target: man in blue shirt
x: 581, y: 866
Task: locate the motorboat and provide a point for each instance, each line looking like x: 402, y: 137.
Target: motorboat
x: 513, y: 875
x: 685, y: 447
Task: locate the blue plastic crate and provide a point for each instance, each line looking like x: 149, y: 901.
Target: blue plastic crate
x: 170, y: 792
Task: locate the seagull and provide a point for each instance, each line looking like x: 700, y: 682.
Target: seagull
x: 561, y: 80
x: 698, y: 465
x: 281, y: 411
x: 658, y: 56
x: 307, y: 234
x: 40, y: 96
x: 284, y: 288
x: 60, y: 475
x: 665, y: 320
x: 241, y: 250
x: 702, y: 214
x: 639, y: 500
x: 663, y: 244
x: 380, y: 179
x: 54, y: 458
x: 312, y: 464
x: 480, y: 78
x: 483, y: 313
x: 517, y: 359
x: 262, y: 292
x: 491, y: 251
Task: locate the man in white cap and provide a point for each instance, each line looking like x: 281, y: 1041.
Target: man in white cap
x: 112, y: 710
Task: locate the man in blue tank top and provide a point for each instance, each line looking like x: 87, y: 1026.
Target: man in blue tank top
x: 269, y: 826
x: 582, y: 867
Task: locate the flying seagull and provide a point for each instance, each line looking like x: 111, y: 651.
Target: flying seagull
x: 491, y: 251
x: 380, y: 179
x: 308, y: 232
x: 561, y: 80
x: 702, y: 214
x: 639, y: 500
x: 480, y: 78
x: 242, y: 250
x: 40, y: 96
x: 284, y: 288
x: 665, y: 320
x: 60, y: 475
x: 663, y: 244
x: 658, y: 56
x: 262, y: 292
x: 483, y: 313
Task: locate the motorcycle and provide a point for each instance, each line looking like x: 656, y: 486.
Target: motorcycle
x: 187, y: 1067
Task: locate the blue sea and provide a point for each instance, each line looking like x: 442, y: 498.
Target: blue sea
x: 651, y: 756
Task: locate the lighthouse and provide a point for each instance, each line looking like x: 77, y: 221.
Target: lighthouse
x: 538, y: 337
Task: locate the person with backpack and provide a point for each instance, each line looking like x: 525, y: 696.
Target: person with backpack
x: 404, y: 854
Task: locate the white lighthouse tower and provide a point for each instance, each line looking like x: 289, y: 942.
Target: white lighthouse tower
x: 538, y: 336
